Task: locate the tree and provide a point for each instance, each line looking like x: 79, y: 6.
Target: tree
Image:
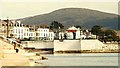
x: 56, y: 25
x: 110, y: 35
x: 78, y: 26
x: 104, y: 34
x: 96, y: 30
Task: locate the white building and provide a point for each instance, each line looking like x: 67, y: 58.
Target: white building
x: 75, y: 33
x: 20, y: 31
x: 32, y: 34
x: 51, y: 35
x: 42, y: 33
x: 61, y: 35
x: 45, y: 34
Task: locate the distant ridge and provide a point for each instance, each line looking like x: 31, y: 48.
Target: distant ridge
x: 86, y: 18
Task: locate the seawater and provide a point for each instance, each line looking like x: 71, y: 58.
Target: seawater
x: 86, y: 59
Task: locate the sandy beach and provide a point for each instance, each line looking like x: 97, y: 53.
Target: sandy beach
x: 9, y: 57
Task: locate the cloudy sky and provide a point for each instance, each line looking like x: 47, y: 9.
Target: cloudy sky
x: 23, y: 8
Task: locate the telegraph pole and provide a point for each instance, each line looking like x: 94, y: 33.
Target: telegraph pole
x: 7, y: 26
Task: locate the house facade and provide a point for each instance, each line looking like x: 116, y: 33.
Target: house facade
x: 75, y: 33
x: 45, y: 34
x: 6, y: 28
x: 21, y: 31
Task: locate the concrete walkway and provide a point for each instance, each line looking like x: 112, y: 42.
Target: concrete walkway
x: 9, y: 57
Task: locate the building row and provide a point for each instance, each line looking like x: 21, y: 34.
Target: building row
x: 18, y: 30
x: 76, y: 33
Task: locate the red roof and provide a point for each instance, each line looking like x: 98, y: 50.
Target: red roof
x: 71, y: 30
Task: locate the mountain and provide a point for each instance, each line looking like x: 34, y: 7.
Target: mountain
x: 86, y: 18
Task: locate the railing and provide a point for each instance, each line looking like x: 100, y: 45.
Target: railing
x: 11, y: 41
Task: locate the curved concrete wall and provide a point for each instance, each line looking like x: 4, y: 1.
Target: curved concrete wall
x: 91, y: 45
x: 40, y: 44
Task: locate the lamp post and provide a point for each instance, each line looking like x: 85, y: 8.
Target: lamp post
x: 80, y: 40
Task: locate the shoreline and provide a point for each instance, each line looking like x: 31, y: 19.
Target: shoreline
x: 86, y: 51
x: 8, y: 54
x: 9, y: 57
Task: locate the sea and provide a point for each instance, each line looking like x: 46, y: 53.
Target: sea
x: 82, y: 59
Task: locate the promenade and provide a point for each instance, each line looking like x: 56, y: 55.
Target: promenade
x: 9, y: 57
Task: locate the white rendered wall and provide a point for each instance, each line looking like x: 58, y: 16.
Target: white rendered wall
x: 67, y: 45
x: 21, y: 32
x: 91, y: 45
x: 40, y: 44
x: 51, y: 35
x: 43, y: 32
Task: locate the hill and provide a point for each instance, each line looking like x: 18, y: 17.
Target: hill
x: 86, y: 18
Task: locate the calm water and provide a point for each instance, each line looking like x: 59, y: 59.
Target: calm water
x: 94, y: 59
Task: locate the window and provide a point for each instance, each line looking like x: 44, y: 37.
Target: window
x: 36, y: 34
x: 21, y: 31
x: 16, y: 30
x: 44, y: 35
x: 2, y: 24
x: 27, y: 34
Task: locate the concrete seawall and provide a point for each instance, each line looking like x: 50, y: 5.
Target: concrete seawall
x: 77, y: 45
x: 40, y: 44
x: 66, y: 45
x: 91, y: 45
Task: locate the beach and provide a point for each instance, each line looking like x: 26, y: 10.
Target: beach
x: 9, y: 57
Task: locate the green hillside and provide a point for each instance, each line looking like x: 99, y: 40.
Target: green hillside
x: 75, y: 16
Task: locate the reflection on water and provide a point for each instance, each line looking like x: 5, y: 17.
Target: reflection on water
x: 93, y: 59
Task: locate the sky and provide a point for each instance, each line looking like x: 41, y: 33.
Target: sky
x: 15, y: 9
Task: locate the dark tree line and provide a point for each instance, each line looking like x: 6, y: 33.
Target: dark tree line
x: 56, y: 25
x: 104, y: 34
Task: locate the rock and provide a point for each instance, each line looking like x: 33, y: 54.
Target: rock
x: 44, y: 58
x: 1, y: 55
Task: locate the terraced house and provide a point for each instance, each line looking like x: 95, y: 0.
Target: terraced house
x: 16, y: 29
x: 6, y: 28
